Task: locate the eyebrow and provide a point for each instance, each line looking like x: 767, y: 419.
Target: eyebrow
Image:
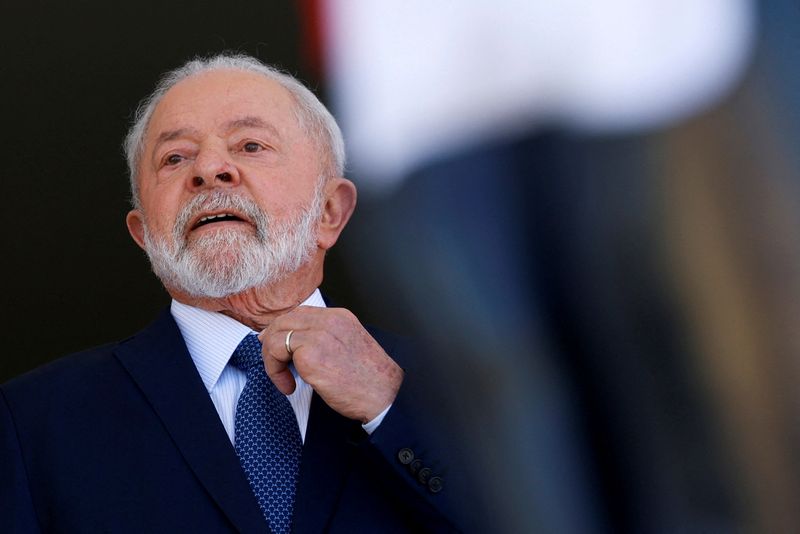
x: 169, y: 135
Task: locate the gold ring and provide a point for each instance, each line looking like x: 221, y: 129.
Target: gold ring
x: 288, y: 342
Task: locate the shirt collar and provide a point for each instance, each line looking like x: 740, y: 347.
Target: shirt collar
x: 211, y: 337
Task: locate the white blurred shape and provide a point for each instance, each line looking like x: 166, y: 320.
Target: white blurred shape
x: 413, y: 78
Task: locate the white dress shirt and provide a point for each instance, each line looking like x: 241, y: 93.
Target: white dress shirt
x: 211, y: 338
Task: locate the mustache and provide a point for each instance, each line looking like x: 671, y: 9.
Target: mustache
x: 220, y: 200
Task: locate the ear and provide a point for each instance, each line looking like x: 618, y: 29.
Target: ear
x: 340, y: 201
x: 135, y: 221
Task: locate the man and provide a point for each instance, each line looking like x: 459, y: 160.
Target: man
x: 236, y: 180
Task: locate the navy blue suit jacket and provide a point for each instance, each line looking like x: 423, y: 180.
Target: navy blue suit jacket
x: 124, y: 438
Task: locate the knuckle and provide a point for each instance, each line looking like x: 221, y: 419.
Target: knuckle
x: 343, y: 318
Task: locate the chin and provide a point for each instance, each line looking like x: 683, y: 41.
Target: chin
x: 226, y: 263
x: 225, y: 260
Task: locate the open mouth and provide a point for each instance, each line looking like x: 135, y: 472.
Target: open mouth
x: 216, y: 218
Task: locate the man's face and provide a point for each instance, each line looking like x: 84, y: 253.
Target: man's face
x: 227, y: 185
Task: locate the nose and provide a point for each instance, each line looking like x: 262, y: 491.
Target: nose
x: 213, y: 168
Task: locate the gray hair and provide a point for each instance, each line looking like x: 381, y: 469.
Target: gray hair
x: 312, y: 116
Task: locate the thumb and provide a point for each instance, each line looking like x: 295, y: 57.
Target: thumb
x: 281, y: 375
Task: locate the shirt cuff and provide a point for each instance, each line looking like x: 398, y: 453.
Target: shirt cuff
x: 370, y: 426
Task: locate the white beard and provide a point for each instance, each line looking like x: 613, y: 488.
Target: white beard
x: 232, y: 260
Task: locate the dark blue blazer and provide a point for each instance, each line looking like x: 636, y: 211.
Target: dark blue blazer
x: 124, y: 438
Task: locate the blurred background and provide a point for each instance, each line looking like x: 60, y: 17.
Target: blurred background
x: 587, y: 211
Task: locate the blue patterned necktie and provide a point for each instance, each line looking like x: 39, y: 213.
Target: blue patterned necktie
x: 267, y: 438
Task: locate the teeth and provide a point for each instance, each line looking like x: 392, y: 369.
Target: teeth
x: 210, y: 217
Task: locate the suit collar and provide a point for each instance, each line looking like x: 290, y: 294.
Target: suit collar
x: 159, y: 363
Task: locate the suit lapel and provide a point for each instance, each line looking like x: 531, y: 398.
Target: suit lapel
x: 330, y: 444
x: 159, y: 363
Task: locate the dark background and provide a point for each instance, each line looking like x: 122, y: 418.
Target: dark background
x: 72, y: 75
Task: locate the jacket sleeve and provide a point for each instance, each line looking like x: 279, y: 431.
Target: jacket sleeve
x: 18, y: 515
x: 426, y: 458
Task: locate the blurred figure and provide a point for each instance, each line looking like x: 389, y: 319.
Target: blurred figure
x: 583, y: 227
x: 414, y: 81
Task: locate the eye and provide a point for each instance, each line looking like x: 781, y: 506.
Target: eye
x: 252, y: 146
x: 173, y: 159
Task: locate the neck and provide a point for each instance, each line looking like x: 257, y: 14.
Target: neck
x: 259, y: 306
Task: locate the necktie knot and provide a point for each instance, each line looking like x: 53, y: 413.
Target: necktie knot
x: 247, y: 354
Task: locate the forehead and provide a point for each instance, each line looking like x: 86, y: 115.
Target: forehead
x: 208, y: 100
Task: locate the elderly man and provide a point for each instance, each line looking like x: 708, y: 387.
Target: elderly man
x: 249, y: 405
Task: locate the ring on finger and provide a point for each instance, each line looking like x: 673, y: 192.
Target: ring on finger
x: 288, y: 342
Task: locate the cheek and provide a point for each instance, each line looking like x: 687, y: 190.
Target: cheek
x: 160, y: 201
x: 283, y: 197
x: 274, y: 199
x: 156, y: 189
x: 160, y: 217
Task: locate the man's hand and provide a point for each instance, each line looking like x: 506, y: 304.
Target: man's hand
x: 333, y: 353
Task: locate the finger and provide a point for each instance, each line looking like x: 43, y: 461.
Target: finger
x: 277, y: 367
x: 280, y: 374
x: 273, y: 343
